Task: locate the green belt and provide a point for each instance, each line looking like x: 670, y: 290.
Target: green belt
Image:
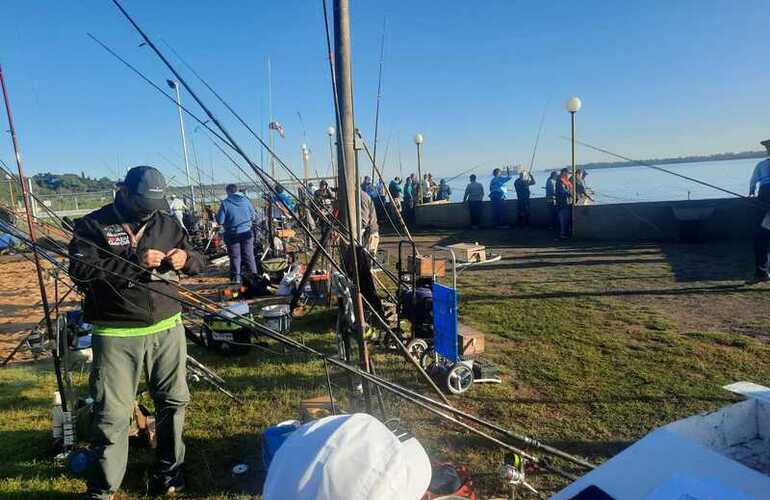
x: 133, y: 331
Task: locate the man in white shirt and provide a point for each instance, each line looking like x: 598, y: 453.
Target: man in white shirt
x: 177, y: 207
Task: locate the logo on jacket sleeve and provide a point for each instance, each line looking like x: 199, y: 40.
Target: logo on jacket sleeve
x: 116, y: 236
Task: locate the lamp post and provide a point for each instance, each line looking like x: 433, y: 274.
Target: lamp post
x: 173, y: 85
x: 418, y: 141
x: 573, y: 106
x: 330, y: 132
x: 305, y: 162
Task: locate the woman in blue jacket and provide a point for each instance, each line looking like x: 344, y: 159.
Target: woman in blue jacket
x: 236, y: 215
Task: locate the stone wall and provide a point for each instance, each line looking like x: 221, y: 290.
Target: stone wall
x: 696, y: 220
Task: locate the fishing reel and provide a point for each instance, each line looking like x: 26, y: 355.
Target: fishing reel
x: 513, y: 472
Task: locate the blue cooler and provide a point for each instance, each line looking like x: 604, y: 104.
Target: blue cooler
x: 273, y: 437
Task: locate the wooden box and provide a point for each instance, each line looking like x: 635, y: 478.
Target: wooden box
x: 471, y: 344
x: 424, y: 267
x: 317, y: 408
x: 469, y: 252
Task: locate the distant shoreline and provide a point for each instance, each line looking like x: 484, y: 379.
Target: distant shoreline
x: 743, y: 155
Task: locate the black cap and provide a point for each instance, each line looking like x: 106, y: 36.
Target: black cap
x: 147, y: 186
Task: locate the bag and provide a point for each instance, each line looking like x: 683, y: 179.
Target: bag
x: 225, y: 336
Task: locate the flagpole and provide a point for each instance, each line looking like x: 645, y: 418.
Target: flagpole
x: 270, y: 113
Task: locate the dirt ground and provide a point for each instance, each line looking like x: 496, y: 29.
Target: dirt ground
x: 20, y: 307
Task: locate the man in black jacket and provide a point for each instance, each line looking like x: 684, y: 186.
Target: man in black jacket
x: 522, y: 196
x: 123, y: 258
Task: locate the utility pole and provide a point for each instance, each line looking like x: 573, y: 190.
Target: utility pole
x: 346, y: 153
x: 174, y: 85
x: 347, y: 169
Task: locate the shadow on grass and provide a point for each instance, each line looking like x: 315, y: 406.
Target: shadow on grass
x: 612, y: 400
x: 717, y: 289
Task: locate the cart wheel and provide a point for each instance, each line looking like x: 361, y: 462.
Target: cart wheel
x: 416, y: 348
x: 459, y: 378
x: 428, y: 360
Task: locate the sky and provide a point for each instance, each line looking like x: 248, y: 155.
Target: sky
x: 657, y: 79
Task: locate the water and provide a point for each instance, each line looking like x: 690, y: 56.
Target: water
x: 639, y: 183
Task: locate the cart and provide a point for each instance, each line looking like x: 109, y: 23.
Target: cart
x: 443, y: 360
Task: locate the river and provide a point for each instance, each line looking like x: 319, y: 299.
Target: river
x: 640, y: 183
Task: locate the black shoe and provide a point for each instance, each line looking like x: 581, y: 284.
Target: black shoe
x: 167, y: 484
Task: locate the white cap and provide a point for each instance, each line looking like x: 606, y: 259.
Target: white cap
x: 350, y: 457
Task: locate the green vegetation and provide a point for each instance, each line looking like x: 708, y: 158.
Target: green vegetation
x: 679, y: 159
x: 49, y: 183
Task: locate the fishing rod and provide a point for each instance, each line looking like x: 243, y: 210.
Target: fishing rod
x: 379, y: 97
x: 318, y: 211
x: 260, y: 172
x: 429, y: 404
x: 671, y: 172
x: 387, y: 191
x: 537, y: 139
x: 28, y: 211
x: 468, y: 170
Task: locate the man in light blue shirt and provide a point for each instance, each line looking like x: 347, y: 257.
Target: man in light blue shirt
x: 761, y: 176
x: 497, y: 195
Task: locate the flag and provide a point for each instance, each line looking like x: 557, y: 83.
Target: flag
x: 278, y: 128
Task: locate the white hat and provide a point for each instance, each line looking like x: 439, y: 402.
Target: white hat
x: 347, y: 457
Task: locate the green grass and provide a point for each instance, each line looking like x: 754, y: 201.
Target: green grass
x: 587, y: 373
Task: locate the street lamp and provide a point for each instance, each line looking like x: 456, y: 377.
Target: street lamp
x: 418, y: 140
x: 330, y: 132
x: 175, y: 86
x: 305, y: 161
x: 572, y: 106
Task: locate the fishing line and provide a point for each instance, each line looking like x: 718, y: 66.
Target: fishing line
x: 259, y: 171
x: 665, y: 170
x: 537, y: 139
x: 479, y: 165
x: 387, y: 192
x: 379, y: 97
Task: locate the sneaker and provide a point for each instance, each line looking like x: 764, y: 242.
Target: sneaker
x: 761, y: 275
x: 168, y: 484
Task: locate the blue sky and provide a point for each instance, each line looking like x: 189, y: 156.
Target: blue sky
x: 657, y: 78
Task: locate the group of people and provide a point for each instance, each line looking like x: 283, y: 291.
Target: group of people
x: 559, y: 189
x: 562, y: 190
x: 404, y: 195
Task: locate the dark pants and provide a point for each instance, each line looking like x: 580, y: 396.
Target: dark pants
x: 119, y: 363
x: 553, y: 214
x: 522, y: 208
x: 241, y: 246
x: 565, y: 219
x: 407, y: 210
x: 762, y: 235
x: 475, y: 209
x: 498, y: 207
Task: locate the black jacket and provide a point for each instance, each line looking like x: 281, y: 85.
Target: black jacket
x: 111, y: 295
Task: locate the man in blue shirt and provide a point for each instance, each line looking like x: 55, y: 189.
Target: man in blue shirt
x: 497, y: 195
x: 761, y: 176
x: 237, y: 216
